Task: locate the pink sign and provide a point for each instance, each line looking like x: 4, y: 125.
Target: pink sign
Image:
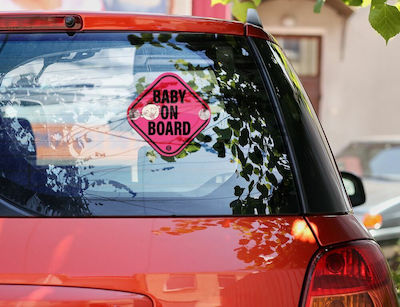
x: 169, y: 114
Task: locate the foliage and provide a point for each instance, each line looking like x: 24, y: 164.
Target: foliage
x: 260, y: 241
x: 396, y: 279
x: 383, y: 17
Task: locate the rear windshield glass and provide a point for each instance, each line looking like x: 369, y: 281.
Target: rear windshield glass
x: 136, y: 124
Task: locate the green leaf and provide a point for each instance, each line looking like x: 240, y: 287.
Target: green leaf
x: 193, y: 85
x: 174, y: 46
x: 151, y: 155
x: 139, y: 88
x: 208, y: 88
x: 238, y: 191
x: 135, y: 40
x: 235, y: 124
x: 193, y: 147
x: 353, y: 2
x: 239, y: 9
x: 272, y: 179
x: 219, y: 147
x: 379, y: 2
x: 366, y: 3
x: 204, y: 138
x: 244, y: 137
x: 258, y: 140
x: 181, y: 155
x: 234, y: 150
x: 224, y: 2
x: 256, y: 156
x: 318, y: 6
x: 225, y: 134
x: 147, y: 37
x: 168, y: 159
x: 164, y: 37
x: 156, y: 44
x: 263, y: 189
x: 247, y: 171
x: 236, y: 206
x: 257, y: 2
x: 251, y: 186
x: 385, y: 19
x: 241, y: 157
x: 252, y: 204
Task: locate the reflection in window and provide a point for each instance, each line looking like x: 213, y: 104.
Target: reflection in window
x: 177, y: 282
x: 303, y: 53
x: 67, y: 148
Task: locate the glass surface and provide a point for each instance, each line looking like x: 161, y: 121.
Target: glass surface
x: 322, y: 184
x: 349, y: 186
x: 67, y: 148
x: 302, y: 52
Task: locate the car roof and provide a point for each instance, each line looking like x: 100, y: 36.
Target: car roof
x: 122, y: 21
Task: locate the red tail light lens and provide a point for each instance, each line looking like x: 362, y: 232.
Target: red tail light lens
x: 40, y: 22
x: 354, y: 275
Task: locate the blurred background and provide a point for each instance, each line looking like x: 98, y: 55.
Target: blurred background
x: 349, y: 73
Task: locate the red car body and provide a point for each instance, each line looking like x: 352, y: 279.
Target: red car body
x: 268, y: 256
x: 164, y: 261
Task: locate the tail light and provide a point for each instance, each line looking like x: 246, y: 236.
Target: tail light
x: 354, y: 275
x: 40, y: 22
x: 372, y: 221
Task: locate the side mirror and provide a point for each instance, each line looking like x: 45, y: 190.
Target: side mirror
x: 354, y: 188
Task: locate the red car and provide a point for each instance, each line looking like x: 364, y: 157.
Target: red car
x: 169, y: 161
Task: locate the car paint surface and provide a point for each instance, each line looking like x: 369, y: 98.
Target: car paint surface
x: 333, y: 229
x: 172, y: 260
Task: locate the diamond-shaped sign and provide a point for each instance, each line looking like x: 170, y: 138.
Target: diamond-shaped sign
x: 169, y: 114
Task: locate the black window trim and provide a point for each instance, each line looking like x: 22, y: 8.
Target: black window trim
x: 324, y: 203
x: 266, y: 78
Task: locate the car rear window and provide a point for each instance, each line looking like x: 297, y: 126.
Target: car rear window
x: 137, y: 124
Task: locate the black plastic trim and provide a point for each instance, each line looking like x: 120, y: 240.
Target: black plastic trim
x: 281, y: 123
